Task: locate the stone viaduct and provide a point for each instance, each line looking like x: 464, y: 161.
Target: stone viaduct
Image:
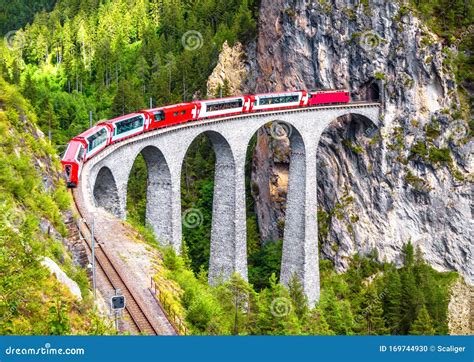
x: 104, y: 184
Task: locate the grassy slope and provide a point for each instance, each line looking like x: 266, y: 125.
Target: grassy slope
x: 32, y: 301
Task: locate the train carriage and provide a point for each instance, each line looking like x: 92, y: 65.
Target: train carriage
x: 281, y: 100
x: 171, y: 115
x: 80, y: 149
x: 72, y: 162
x: 223, y: 106
x: 328, y: 97
x: 89, y: 143
x: 126, y: 126
x: 94, y: 140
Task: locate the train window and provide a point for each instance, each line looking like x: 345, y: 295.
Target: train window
x: 128, y: 124
x: 175, y: 114
x: 183, y: 112
x: 278, y: 99
x: 159, y: 116
x: 97, y: 139
x: 80, y: 154
x: 219, y: 106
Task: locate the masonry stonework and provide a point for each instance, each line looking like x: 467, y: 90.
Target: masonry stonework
x: 104, y: 184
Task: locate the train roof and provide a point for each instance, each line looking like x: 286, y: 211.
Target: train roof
x: 121, y: 118
x: 274, y: 93
x: 90, y: 131
x: 71, y: 150
x: 328, y: 90
x: 220, y: 99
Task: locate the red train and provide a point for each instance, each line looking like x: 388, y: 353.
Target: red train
x: 89, y: 143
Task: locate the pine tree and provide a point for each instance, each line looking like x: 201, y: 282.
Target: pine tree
x: 338, y: 313
x: 298, y: 297
x: 317, y: 324
x: 392, y: 300
x: 276, y: 312
x: 408, y: 254
x: 372, y: 320
x: 422, y: 326
x: 412, y: 299
x: 240, y: 293
x: 244, y: 24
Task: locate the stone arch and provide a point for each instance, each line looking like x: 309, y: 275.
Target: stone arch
x: 158, y: 194
x: 295, y: 234
x: 106, y: 193
x: 222, y: 260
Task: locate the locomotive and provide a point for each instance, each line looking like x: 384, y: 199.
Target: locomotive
x: 91, y: 142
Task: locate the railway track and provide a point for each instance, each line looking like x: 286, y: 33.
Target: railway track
x: 104, y: 262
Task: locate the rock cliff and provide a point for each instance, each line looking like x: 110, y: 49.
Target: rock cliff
x: 411, y: 179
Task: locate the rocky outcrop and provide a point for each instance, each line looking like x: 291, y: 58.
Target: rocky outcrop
x: 460, y: 309
x: 269, y: 180
x: 229, y: 73
x: 411, y: 179
x: 62, y: 277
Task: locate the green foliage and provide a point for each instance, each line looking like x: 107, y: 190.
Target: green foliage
x: 353, y: 147
x: 17, y: 13
x: 237, y: 298
x: 392, y: 299
x: 371, y: 298
x: 136, y: 191
x: 419, y: 150
x: 372, y: 321
x: 379, y: 76
x: 264, y: 263
x: 324, y: 220
x: 112, y: 57
x: 33, y: 301
x: 244, y: 25
x: 317, y: 324
x: 298, y: 298
x: 452, y: 20
x: 447, y: 18
x: 439, y: 155
x: 58, y: 320
x: 417, y: 182
x: 433, y: 130
x: 276, y: 316
x: 422, y: 325
x: 337, y: 312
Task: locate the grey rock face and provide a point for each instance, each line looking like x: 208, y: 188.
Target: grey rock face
x: 374, y: 190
